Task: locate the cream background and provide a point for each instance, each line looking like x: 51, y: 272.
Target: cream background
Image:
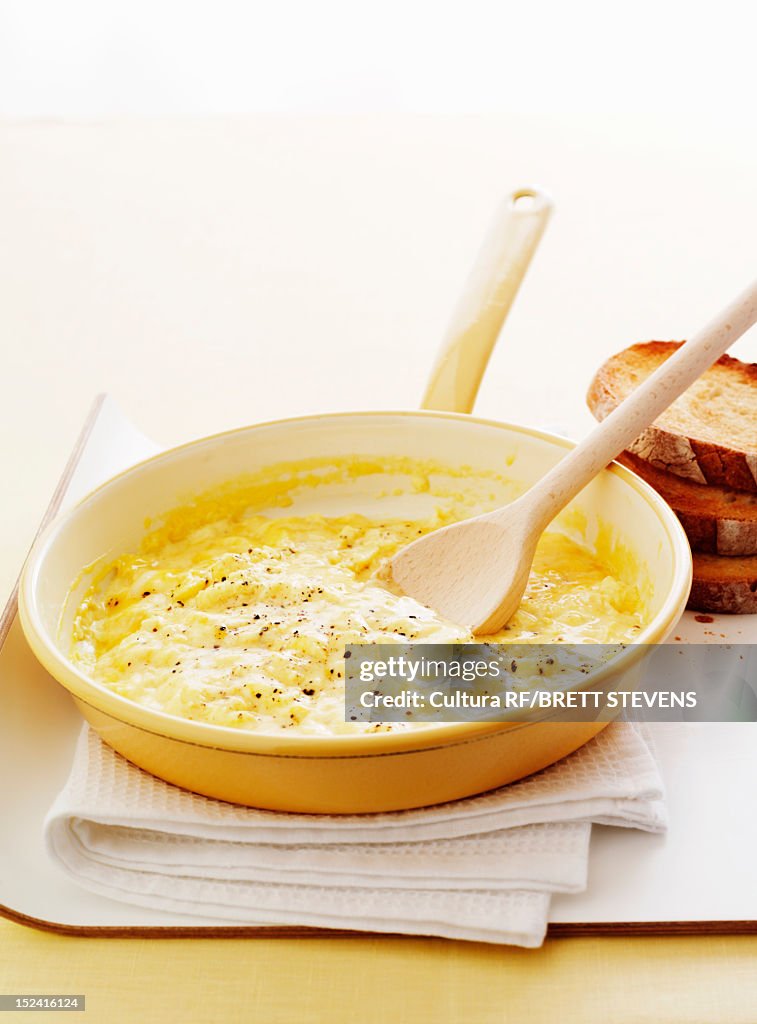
x: 86, y: 58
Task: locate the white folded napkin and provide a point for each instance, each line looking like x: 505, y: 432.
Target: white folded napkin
x: 480, y: 869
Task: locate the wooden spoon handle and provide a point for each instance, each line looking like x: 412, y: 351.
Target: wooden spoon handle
x: 642, y: 407
x: 486, y: 300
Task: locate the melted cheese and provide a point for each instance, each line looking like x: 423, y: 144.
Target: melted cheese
x: 237, y: 617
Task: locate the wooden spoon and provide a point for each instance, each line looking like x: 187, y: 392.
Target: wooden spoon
x: 474, y: 572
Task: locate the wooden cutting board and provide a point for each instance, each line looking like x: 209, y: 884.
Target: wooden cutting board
x: 696, y: 879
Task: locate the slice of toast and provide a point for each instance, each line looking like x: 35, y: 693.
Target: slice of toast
x: 708, y: 435
x: 724, y: 584
x: 716, y: 520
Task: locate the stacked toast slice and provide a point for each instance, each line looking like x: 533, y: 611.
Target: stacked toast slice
x: 701, y: 457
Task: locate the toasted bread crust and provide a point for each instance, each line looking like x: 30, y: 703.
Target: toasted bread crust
x: 716, y: 521
x: 690, y: 455
x: 726, y: 585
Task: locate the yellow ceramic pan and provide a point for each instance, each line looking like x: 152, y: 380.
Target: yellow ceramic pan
x: 361, y: 773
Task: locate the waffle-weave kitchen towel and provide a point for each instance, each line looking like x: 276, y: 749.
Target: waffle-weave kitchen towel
x: 482, y: 868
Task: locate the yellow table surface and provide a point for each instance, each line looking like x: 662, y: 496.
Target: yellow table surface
x: 215, y: 272
x: 375, y: 980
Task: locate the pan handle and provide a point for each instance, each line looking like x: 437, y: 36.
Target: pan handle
x: 486, y: 300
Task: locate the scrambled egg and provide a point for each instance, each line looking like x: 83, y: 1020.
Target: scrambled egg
x: 237, y: 614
